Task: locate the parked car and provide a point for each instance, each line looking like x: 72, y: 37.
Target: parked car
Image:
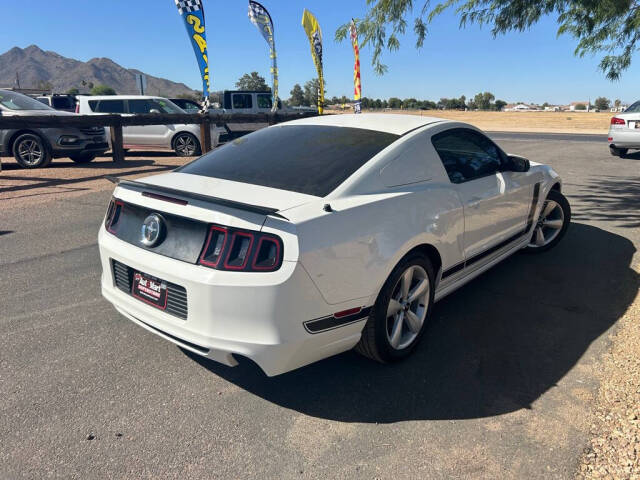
x: 308, y: 238
x: 187, y: 105
x: 35, y: 147
x: 63, y: 102
x: 183, y: 139
x: 624, y: 131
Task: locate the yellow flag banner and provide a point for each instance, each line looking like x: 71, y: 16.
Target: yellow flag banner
x: 357, y: 87
x: 312, y: 28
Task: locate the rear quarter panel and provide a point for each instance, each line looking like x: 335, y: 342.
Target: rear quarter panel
x: 350, y: 252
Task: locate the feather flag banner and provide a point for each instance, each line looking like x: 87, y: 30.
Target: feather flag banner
x: 312, y: 28
x: 259, y: 16
x: 192, y: 12
x: 357, y: 87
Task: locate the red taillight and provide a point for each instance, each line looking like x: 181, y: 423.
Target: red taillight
x: 242, y: 250
x: 212, y: 252
x: 77, y: 107
x: 617, y: 121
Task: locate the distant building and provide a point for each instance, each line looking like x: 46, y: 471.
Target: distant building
x: 518, y: 107
x: 573, y: 105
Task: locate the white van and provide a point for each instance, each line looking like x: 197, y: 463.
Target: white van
x: 183, y: 139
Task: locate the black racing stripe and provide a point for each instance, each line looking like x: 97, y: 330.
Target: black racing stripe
x: 450, y: 271
x: 323, y: 324
x: 534, y: 202
x: 476, y: 258
x: 493, y: 249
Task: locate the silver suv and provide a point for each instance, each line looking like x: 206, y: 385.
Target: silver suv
x: 36, y: 147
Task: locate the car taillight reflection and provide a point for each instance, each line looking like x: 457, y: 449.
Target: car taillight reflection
x: 241, y: 250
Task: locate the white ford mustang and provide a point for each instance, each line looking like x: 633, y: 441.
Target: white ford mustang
x: 309, y: 238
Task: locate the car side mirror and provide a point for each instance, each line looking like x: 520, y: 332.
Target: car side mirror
x: 517, y: 164
x: 154, y: 110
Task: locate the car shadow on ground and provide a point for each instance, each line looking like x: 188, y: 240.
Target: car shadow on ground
x: 493, y: 347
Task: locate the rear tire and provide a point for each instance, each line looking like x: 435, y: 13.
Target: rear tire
x: 31, y: 151
x: 401, y: 312
x: 83, y: 157
x: 552, y: 223
x: 186, y: 145
x: 618, y: 152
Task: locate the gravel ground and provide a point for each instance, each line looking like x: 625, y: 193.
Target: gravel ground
x: 615, y: 448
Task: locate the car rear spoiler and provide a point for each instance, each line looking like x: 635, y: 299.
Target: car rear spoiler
x: 197, y: 196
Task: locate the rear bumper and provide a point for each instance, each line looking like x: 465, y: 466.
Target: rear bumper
x: 259, y: 316
x: 624, y: 137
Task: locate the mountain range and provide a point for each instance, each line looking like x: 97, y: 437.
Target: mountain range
x: 36, y: 68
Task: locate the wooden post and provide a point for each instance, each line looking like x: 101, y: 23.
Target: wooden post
x: 205, y: 133
x: 116, y: 142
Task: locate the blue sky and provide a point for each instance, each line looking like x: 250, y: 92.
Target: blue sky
x: 534, y: 66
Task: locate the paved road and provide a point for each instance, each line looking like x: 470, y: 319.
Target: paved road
x: 501, y: 387
x: 554, y: 137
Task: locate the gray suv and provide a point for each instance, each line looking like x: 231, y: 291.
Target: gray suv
x: 35, y: 147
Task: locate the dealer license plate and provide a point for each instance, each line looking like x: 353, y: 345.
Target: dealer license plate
x: 150, y: 290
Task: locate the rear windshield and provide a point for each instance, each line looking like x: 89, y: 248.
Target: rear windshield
x: 310, y: 159
x: 635, y: 108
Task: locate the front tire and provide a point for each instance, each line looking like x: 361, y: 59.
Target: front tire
x: 31, y: 151
x: 401, y: 312
x: 186, y: 145
x: 83, y: 157
x: 552, y: 223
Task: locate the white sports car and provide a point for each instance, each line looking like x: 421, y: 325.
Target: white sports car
x: 309, y: 238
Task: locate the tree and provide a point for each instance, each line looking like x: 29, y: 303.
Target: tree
x: 483, y: 100
x: 581, y: 106
x: 410, y: 103
x: 311, y: 92
x: 602, y: 103
x: 395, y: 103
x: 73, y: 91
x: 102, y: 90
x: 499, y: 105
x: 297, y: 96
x: 617, y: 103
x: 252, y: 81
x: 608, y: 26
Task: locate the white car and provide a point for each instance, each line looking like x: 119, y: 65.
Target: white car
x: 624, y: 131
x: 183, y: 139
x: 311, y: 237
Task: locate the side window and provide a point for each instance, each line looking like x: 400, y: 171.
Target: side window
x: 264, y: 101
x: 466, y: 154
x: 242, y: 100
x: 44, y: 100
x: 107, y: 106
x: 139, y: 106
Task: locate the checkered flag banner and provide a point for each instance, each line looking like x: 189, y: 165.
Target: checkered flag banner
x: 192, y: 13
x: 259, y: 16
x: 188, y: 6
x: 205, y: 106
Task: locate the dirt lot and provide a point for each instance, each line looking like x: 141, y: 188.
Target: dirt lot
x: 554, y: 122
x: 65, y: 179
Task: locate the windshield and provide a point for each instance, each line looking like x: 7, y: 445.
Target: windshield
x: 634, y: 108
x: 310, y: 159
x: 17, y: 101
